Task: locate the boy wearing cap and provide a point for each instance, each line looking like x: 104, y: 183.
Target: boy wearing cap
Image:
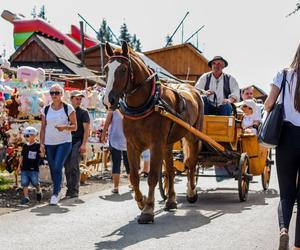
x: 29, y: 164
x: 219, y: 89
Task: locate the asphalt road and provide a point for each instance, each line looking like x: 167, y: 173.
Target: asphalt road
x: 218, y: 220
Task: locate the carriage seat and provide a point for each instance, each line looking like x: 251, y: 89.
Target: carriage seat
x: 220, y: 128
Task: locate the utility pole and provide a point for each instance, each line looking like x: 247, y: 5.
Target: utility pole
x: 170, y: 39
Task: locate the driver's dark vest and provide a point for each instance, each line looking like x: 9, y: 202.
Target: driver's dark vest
x: 226, y: 87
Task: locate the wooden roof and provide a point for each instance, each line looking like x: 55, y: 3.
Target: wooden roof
x: 46, y: 52
x: 184, y: 60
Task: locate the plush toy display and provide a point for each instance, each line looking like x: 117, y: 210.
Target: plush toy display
x: 30, y: 75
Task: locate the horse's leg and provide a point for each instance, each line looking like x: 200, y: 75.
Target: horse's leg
x: 134, y: 165
x: 191, y: 151
x: 171, y: 203
x: 156, y: 154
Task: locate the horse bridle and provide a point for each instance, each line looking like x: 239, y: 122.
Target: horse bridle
x: 130, y: 78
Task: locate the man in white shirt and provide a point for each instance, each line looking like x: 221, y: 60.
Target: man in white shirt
x: 219, y: 89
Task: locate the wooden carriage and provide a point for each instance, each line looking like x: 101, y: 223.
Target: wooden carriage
x: 226, y: 146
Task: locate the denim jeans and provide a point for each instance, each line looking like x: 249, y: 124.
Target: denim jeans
x: 210, y: 109
x: 28, y: 176
x: 56, y: 156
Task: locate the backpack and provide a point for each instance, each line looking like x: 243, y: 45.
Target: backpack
x: 65, y: 109
x: 226, y: 87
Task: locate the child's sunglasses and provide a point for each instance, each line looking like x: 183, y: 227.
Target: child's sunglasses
x: 26, y: 136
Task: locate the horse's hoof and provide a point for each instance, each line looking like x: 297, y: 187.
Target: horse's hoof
x: 146, y: 219
x: 170, y: 206
x: 192, y: 199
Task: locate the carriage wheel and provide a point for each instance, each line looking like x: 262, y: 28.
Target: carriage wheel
x: 243, y: 180
x: 163, y: 182
x: 266, y: 175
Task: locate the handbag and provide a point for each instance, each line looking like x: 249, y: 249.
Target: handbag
x: 270, y: 130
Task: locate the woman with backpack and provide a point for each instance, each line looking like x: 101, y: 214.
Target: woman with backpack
x: 58, y: 121
x: 288, y: 149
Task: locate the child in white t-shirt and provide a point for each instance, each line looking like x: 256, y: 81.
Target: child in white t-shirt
x: 249, y: 122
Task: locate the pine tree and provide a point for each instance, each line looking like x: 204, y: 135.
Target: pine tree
x: 135, y: 43
x: 33, y: 12
x: 124, y: 34
x: 104, y: 34
x: 42, y: 13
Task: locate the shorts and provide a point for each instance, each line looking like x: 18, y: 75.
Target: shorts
x: 28, y: 177
x: 146, y: 155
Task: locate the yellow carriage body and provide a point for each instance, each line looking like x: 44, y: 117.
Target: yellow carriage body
x: 256, y: 152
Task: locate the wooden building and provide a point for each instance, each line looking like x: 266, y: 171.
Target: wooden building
x: 53, y: 56
x: 93, y: 60
x: 184, y: 61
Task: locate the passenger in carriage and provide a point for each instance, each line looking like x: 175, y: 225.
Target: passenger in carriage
x: 247, y: 94
x: 219, y: 89
x: 249, y: 121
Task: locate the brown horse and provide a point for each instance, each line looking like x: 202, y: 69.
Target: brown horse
x: 132, y: 84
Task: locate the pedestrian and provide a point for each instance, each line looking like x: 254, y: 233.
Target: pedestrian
x: 219, y: 89
x: 58, y: 121
x: 29, y: 164
x: 288, y: 149
x: 79, y: 142
x: 146, y: 163
x: 117, y: 145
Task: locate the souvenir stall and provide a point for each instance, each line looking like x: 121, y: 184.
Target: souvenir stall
x: 22, y: 95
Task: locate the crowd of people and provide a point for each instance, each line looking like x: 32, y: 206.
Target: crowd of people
x: 65, y: 130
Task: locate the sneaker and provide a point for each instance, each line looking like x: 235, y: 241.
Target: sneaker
x: 54, y: 199
x: 39, y: 196
x: 283, y: 241
x: 74, y: 195
x: 25, y: 200
x: 115, y: 191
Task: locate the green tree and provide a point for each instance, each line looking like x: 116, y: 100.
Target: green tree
x: 124, y: 34
x: 33, y: 12
x: 42, y: 13
x: 104, y: 34
x: 135, y: 43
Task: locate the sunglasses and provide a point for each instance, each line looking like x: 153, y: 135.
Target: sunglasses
x: 55, y: 92
x: 245, y: 106
x: 26, y: 136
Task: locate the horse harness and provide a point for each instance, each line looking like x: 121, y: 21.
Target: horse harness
x: 136, y: 113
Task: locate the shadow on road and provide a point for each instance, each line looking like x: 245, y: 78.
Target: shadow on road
x: 117, y: 197
x: 226, y: 200
x: 168, y: 223
x: 48, y: 210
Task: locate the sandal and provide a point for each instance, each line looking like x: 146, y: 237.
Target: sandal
x: 115, y: 191
x: 284, y: 240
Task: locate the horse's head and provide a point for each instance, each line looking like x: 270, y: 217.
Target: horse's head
x: 118, y: 74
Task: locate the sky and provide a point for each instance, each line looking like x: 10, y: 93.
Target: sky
x: 255, y: 37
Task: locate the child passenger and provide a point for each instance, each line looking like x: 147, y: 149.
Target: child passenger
x: 29, y: 164
x: 249, y: 122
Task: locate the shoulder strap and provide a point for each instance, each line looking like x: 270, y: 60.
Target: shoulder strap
x: 66, y: 110
x: 46, y: 110
x: 282, y: 87
x: 226, y: 87
x: 208, y: 77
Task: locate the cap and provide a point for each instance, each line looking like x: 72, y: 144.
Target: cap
x: 250, y: 103
x: 30, y: 131
x: 76, y: 93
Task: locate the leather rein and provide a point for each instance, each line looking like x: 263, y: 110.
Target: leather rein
x: 147, y: 108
